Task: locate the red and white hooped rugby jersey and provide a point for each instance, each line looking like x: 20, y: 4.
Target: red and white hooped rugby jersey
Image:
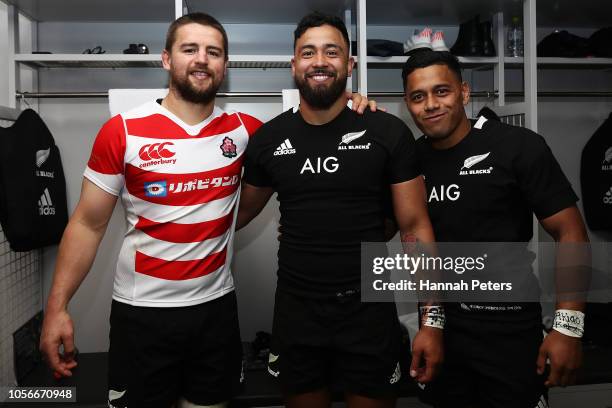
x: 179, y: 185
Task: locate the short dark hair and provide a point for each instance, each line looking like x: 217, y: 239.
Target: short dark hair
x: 426, y: 58
x: 198, y: 18
x: 317, y: 19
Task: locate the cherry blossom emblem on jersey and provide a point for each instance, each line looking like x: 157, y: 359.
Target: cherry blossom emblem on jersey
x: 228, y: 148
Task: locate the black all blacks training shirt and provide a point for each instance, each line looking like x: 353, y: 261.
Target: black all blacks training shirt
x: 332, y: 182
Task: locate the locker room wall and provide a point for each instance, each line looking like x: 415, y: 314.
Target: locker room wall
x: 20, y: 272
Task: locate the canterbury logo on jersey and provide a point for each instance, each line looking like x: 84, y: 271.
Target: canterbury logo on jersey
x: 608, y: 197
x: 41, y: 158
x: 467, y: 170
x: 284, y: 148
x: 45, y: 205
x: 607, y: 160
x: 156, y: 153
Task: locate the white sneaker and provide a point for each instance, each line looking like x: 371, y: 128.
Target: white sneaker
x: 419, y: 40
x: 437, y: 42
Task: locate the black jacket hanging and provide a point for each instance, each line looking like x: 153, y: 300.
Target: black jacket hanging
x: 596, y: 178
x: 33, y: 209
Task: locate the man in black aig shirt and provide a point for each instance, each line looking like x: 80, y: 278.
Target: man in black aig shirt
x: 484, y: 181
x: 331, y: 169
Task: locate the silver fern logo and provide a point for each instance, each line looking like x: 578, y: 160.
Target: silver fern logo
x: 471, y: 161
x: 607, y: 161
x: 116, y: 400
x: 42, y: 156
x: 608, y: 156
x: 349, y: 137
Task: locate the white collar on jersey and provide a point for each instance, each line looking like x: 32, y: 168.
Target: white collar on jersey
x: 190, y: 129
x: 481, y: 121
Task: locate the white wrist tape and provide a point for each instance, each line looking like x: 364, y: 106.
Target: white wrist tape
x: 433, y: 316
x: 569, y: 322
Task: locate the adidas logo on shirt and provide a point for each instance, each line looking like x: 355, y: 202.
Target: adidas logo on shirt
x: 284, y: 148
x: 45, y: 205
x: 397, y: 374
x: 607, y: 199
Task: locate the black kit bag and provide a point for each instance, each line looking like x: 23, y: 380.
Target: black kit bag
x: 600, y: 43
x: 33, y: 209
x: 596, y: 178
x: 563, y: 44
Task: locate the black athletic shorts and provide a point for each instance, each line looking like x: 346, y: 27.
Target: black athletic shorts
x: 489, y: 364
x: 338, y: 343
x: 158, y: 355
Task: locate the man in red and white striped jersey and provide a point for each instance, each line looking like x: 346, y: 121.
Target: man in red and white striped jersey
x: 176, y: 164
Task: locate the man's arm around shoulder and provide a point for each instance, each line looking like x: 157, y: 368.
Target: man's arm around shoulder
x: 252, y: 200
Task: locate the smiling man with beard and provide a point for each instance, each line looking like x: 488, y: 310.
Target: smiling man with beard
x: 332, y: 170
x: 176, y: 163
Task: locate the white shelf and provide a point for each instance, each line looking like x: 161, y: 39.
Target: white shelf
x: 235, y: 61
x: 89, y: 60
x: 576, y: 62
x: 398, y: 61
x: 139, y: 61
x: 273, y: 61
x: 553, y: 62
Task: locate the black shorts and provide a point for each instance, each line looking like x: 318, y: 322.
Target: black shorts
x: 158, y: 355
x: 489, y: 364
x: 340, y: 344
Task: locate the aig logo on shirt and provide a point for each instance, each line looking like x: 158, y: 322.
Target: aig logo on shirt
x: 327, y: 165
x: 444, y: 193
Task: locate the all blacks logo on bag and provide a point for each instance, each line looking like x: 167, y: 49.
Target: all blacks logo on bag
x: 606, y: 165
